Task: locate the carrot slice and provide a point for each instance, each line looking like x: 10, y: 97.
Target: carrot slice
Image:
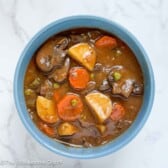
x: 59, y: 93
x: 118, y: 112
x: 70, y: 107
x: 106, y: 42
x: 46, y: 129
x: 78, y: 78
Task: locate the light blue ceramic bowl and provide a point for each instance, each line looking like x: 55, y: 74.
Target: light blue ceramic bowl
x: 77, y: 22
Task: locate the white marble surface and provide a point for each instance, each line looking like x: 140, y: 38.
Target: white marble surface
x: 146, y: 19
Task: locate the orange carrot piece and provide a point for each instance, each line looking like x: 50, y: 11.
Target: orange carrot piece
x: 70, y: 107
x: 56, y: 95
x: 118, y: 112
x: 59, y: 93
x: 106, y: 42
x: 78, y: 78
x: 46, y: 129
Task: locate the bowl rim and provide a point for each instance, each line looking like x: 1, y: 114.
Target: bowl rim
x: 83, y: 153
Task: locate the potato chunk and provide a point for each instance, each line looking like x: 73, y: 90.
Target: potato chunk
x: 66, y: 129
x: 100, y: 104
x: 84, y: 54
x: 102, y: 128
x: 46, y: 110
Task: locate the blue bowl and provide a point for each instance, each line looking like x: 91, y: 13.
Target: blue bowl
x: 80, y: 22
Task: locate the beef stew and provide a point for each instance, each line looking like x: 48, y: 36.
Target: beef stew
x: 83, y: 87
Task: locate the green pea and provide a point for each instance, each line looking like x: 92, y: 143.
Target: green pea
x: 35, y: 83
x: 74, y: 102
x: 28, y: 92
x: 92, y: 76
x: 56, y: 85
x: 117, y: 76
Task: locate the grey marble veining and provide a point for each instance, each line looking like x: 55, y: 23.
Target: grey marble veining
x: 146, y: 19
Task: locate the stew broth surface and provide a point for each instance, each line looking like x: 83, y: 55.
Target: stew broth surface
x: 88, y: 130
